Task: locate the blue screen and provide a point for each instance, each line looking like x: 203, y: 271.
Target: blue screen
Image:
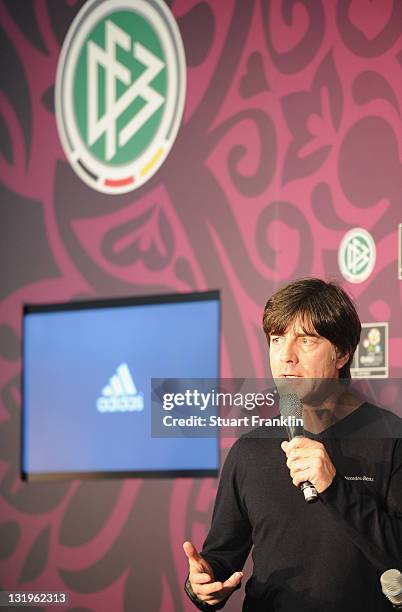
x: 87, y: 383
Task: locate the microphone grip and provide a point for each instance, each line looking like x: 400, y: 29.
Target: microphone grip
x: 308, y: 489
x: 309, y: 492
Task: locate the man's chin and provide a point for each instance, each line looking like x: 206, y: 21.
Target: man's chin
x: 291, y: 385
x: 308, y: 390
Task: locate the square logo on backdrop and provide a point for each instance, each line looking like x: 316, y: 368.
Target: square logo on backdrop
x: 371, y: 357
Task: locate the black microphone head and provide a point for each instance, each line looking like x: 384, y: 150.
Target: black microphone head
x: 391, y: 584
x: 290, y: 405
x: 291, y: 408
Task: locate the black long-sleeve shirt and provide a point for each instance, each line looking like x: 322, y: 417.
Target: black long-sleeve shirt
x: 326, y: 556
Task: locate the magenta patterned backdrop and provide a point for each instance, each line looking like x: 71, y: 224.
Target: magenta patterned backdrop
x: 291, y: 136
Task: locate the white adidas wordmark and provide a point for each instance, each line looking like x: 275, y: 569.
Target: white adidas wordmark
x: 121, y: 394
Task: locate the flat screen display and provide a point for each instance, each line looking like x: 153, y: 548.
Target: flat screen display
x: 87, y: 370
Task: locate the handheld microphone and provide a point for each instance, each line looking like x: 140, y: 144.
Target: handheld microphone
x: 391, y: 584
x: 291, y: 406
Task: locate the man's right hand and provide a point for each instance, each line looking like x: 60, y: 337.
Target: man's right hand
x: 202, y: 579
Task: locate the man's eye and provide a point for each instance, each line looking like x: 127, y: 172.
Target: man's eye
x: 275, y: 340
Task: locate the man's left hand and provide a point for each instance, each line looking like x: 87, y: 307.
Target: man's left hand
x: 308, y: 460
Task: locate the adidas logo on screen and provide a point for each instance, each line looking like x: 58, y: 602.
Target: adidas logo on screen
x: 121, y: 394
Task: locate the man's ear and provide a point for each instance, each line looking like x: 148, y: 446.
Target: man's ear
x: 341, y: 360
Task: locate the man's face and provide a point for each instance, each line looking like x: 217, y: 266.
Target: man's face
x: 296, y: 354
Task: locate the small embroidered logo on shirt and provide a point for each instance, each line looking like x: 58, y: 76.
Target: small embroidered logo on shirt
x: 366, y: 478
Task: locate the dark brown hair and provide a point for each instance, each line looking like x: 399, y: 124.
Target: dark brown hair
x: 323, y: 308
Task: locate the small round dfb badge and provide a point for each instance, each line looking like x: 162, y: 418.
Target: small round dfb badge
x: 357, y: 255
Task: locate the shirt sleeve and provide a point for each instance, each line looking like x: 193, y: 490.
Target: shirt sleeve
x: 373, y: 524
x: 228, y: 542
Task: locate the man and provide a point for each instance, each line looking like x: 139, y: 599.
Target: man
x: 326, y: 556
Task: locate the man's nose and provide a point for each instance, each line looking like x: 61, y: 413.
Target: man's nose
x: 288, y: 352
